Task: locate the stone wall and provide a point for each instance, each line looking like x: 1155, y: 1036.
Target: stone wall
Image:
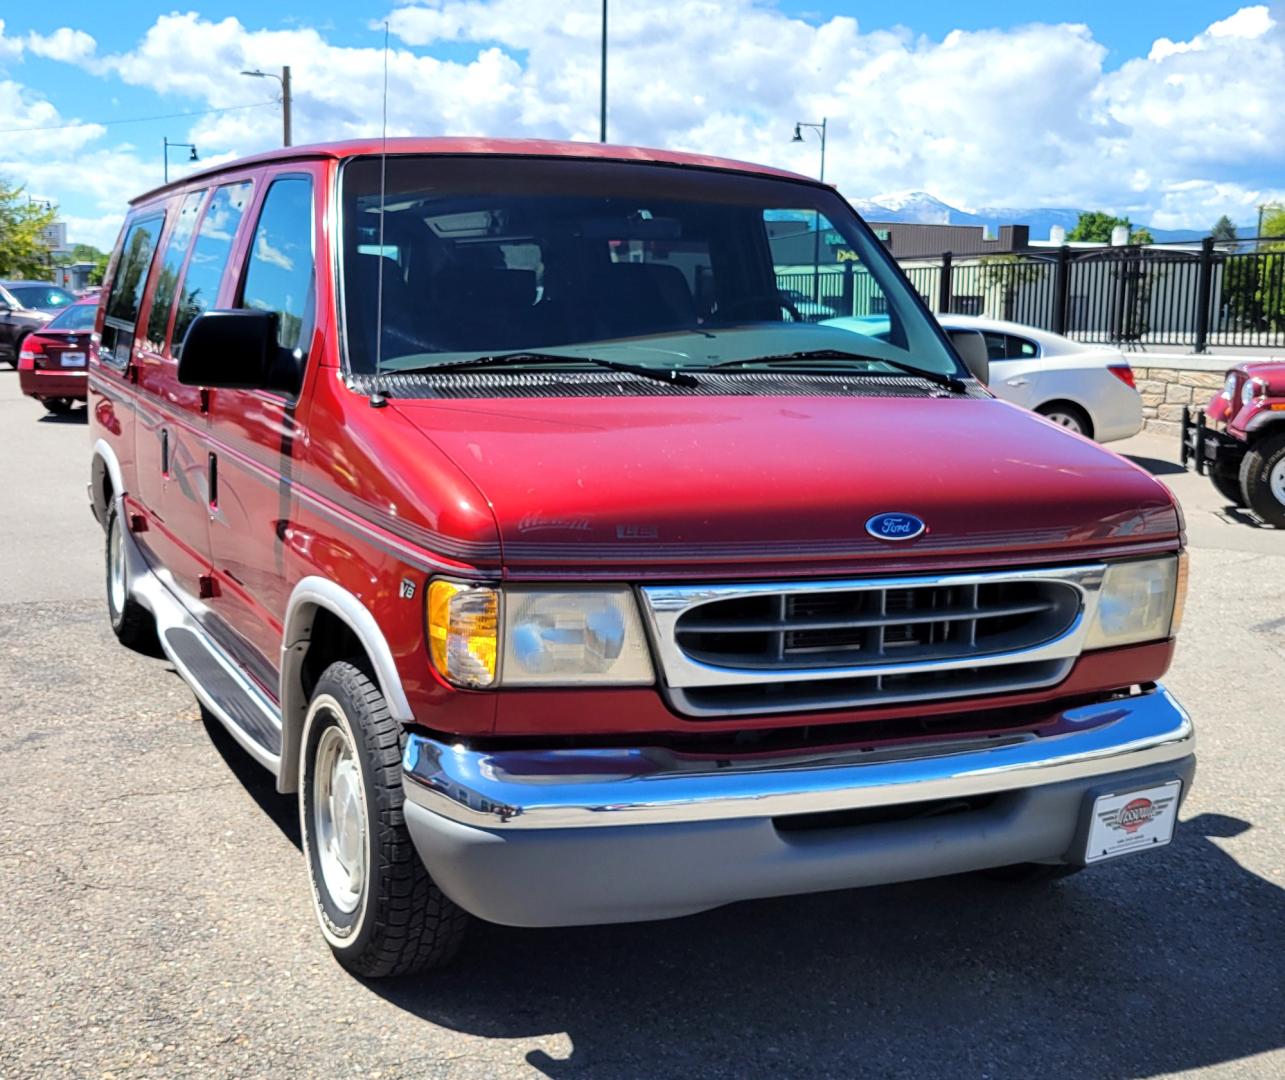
x: 1165, y: 390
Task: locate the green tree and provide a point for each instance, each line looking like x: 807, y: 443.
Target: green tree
x: 1223, y: 229
x: 22, y: 251
x: 1095, y: 227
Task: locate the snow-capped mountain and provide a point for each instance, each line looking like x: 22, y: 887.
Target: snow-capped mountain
x: 920, y: 207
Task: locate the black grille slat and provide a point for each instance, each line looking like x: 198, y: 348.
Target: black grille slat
x: 907, y: 624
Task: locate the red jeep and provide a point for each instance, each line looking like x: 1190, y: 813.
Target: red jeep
x: 1239, y: 439
x: 494, y: 499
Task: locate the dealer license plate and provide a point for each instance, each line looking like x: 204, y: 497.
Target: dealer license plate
x: 1132, y: 821
x: 73, y: 359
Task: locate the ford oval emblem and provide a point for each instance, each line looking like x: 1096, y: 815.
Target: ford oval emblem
x: 895, y: 526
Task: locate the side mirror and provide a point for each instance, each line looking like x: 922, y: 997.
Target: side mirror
x: 234, y: 349
x: 971, y: 347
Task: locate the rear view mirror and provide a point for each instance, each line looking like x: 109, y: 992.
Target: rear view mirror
x: 234, y: 349
x: 971, y: 347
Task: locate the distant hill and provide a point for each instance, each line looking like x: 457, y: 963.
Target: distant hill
x: 922, y: 208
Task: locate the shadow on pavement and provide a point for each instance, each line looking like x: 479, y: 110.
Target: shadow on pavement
x: 1165, y: 962
x: 76, y: 416
x: 1153, y: 965
x: 1156, y: 466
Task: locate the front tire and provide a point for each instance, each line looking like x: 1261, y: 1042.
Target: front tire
x: 132, y: 623
x: 1262, y: 476
x: 379, y: 910
x: 1226, y: 481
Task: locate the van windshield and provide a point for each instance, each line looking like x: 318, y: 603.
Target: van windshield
x: 649, y: 264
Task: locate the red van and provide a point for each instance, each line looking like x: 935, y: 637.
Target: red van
x: 492, y: 496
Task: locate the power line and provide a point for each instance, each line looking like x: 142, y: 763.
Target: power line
x: 136, y: 119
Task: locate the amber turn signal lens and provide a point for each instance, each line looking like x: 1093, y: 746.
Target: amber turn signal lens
x: 463, y: 624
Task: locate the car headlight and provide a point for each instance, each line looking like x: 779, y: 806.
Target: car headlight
x: 463, y: 623
x: 549, y: 637
x: 1139, y: 601
x: 1250, y: 390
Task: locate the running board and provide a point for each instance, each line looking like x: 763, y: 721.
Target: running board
x: 250, y: 717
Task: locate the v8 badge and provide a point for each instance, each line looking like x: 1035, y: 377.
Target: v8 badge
x: 407, y: 590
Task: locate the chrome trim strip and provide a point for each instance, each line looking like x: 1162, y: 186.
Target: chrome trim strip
x: 586, y: 788
x: 663, y: 605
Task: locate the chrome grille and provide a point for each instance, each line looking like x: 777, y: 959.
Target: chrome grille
x: 784, y: 647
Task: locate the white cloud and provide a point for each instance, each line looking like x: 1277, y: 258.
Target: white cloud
x: 1023, y: 116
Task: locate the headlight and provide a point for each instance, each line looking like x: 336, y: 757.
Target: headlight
x: 570, y: 638
x: 1250, y: 390
x: 462, y: 631
x: 550, y: 638
x: 1139, y: 601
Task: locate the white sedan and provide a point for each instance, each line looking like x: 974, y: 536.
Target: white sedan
x: 1087, y: 389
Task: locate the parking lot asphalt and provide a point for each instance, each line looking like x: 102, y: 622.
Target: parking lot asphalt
x: 159, y: 926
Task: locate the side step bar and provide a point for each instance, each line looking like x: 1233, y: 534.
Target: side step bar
x: 250, y: 717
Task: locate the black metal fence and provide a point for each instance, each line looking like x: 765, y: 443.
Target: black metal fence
x: 1230, y: 293
x: 1220, y: 293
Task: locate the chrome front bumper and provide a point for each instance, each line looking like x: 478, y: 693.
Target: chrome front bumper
x: 508, y: 790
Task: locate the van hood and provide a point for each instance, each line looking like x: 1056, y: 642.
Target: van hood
x: 698, y: 486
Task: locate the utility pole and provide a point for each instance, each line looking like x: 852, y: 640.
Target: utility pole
x: 285, y: 104
x: 602, y: 107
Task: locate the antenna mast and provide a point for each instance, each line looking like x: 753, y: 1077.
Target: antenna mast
x: 377, y: 398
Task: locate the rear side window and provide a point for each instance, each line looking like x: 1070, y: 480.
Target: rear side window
x: 158, y: 320
x: 200, y: 289
x: 279, y: 274
x: 126, y: 293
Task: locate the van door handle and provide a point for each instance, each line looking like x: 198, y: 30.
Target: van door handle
x: 165, y: 452
x: 213, y: 482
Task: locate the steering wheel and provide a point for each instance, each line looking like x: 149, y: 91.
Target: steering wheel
x: 754, y: 298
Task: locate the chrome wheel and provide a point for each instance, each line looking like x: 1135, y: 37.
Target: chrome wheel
x: 1066, y: 420
x: 339, y: 819
x: 116, y: 569
x: 1276, y: 482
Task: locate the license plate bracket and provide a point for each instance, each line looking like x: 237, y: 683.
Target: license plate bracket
x: 1126, y: 820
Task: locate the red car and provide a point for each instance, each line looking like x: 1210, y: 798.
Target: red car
x: 1239, y: 439
x: 53, y: 360
x: 492, y: 503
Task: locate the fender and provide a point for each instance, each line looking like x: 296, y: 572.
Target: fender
x: 308, y: 596
x: 102, y: 452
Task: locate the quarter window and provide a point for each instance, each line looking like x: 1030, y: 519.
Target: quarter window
x: 210, y: 254
x: 158, y: 320
x: 279, y: 274
x: 127, y: 289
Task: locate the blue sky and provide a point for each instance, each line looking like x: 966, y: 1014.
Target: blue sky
x: 1171, y: 112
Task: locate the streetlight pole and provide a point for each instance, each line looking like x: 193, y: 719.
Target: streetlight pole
x: 799, y: 125
x: 167, y: 144
x: 286, y: 102
x: 602, y: 106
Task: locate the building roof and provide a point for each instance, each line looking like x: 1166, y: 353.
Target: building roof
x: 475, y: 145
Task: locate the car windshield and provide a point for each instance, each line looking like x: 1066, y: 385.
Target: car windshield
x: 74, y: 317
x: 642, y: 263
x: 41, y: 297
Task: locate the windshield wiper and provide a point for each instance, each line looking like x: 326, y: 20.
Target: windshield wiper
x: 950, y: 382
x: 678, y: 378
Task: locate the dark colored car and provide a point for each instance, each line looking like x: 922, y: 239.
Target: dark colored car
x: 17, y: 320
x: 53, y: 360
x: 40, y: 295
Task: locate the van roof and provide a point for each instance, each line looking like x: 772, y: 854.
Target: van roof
x: 475, y: 145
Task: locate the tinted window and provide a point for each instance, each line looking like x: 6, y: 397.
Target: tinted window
x: 1021, y: 349
x: 210, y: 256
x: 158, y: 319
x: 279, y: 276
x: 75, y: 317
x: 127, y: 288
x: 43, y: 297
x: 482, y: 255
x: 996, y: 344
